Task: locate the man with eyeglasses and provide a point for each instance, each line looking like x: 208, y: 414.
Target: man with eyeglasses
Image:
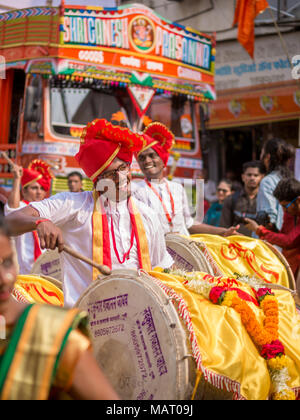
x: 106, y: 224
x: 167, y: 198
x: 287, y: 193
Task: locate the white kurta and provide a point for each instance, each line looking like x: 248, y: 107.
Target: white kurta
x: 182, y: 219
x: 72, y: 213
x: 24, y: 245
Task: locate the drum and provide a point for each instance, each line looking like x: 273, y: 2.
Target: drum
x: 48, y: 264
x: 35, y: 289
x: 218, y: 255
x: 140, y: 341
x: 191, y: 255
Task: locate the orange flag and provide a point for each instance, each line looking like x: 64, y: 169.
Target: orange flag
x: 245, y: 14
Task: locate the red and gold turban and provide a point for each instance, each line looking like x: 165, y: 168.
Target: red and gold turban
x: 101, y: 142
x: 37, y: 171
x: 160, y: 139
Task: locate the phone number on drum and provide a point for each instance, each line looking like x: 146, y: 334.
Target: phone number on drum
x: 109, y: 330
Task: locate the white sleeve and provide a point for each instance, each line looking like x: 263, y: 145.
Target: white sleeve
x: 60, y: 208
x: 158, y: 249
x: 8, y: 210
x: 159, y: 255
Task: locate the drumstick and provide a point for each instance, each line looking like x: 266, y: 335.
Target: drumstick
x: 8, y: 159
x: 102, y: 268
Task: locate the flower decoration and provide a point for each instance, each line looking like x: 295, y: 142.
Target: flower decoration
x: 265, y: 336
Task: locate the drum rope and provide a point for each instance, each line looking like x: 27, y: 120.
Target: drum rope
x: 197, y: 382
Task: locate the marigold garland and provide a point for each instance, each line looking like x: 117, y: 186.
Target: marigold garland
x: 265, y: 337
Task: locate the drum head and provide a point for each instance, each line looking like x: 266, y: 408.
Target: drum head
x: 48, y: 264
x: 139, y: 341
x: 190, y: 255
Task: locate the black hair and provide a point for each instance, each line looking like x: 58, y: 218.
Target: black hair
x: 75, y: 173
x: 287, y: 189
x: 254, y: 164
x: 227, y: 181
x: 280, y: 155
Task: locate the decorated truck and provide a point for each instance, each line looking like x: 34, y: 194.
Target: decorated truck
x: 67, y: 65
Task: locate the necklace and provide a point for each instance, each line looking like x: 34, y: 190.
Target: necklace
x: 168, y: 216
x: 126, y: 256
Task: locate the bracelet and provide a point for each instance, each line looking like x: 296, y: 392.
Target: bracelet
x: 37, y: 222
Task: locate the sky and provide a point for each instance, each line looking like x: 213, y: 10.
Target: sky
x: 21, y: 4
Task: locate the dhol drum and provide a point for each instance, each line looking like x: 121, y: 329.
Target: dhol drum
x: 48, y: 264
x: 36, y: 289
x: 140, y: 341
x: 217, y: 255
x: 190, y: 255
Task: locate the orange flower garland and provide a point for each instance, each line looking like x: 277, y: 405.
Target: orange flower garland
x: 265, y: 336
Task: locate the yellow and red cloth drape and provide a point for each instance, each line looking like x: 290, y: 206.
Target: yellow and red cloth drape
x: 224, y: 351
x: 245, y: 256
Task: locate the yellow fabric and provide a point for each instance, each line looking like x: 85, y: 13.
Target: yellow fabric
x: 245, y: 256
x: 30, y: 373
x: 222, y: 346
x: 35, y: 289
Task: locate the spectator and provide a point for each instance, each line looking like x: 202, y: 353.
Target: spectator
x: 287, y: 192
x: 275, y: 155
x: 213, y: 214
x: 75, y: 182
x: 242, y: 203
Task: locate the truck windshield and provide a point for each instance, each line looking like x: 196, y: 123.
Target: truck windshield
x: 74, y: 108
x: 71, y: 108
x: 177, y: 114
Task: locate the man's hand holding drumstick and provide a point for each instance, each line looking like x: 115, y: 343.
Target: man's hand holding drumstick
x: 28, y: 219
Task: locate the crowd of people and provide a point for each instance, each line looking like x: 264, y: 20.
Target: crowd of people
x: 122, y: 224
x: 266, y: 205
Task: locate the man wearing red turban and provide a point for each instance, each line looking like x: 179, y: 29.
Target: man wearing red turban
x: 33, y: 183
x: 167, y: 198
x: 105, y: 224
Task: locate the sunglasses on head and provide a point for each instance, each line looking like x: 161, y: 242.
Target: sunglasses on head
x: 286, y: 206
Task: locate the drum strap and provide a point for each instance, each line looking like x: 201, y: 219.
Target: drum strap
x: 197, y: 382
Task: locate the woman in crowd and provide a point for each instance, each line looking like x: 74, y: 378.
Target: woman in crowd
x: 214, y: 213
